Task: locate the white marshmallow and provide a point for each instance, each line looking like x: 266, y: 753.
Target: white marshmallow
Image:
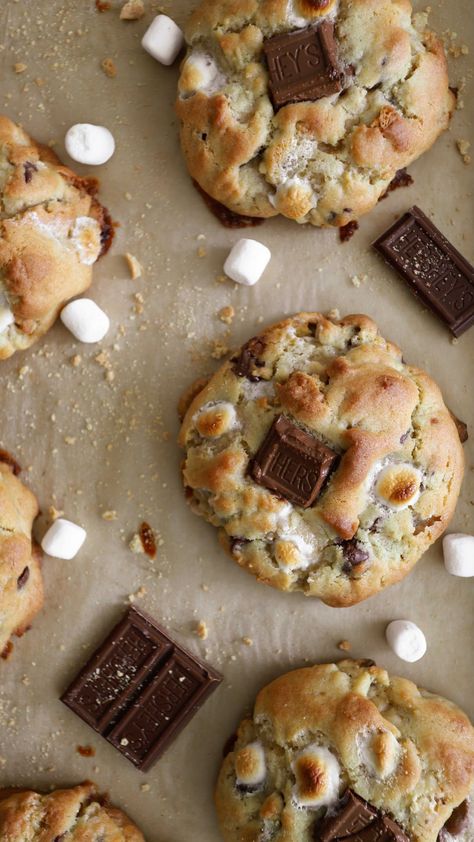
x: 406, y: 640
x: 379, y: 752
x: 458, y: 551
x: 215, y: 419
x: 86, y: 321
x: 247, y: 262
x: 63, y: 539
x: 201, y: 73
x: 89, y: 144
x: 317, y: 775
x: 163, y: 39
x: 250, y: 765
x: 6, y: 318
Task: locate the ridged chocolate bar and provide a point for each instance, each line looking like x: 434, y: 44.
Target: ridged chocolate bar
x: 433, y: 268
x: 139, y: 689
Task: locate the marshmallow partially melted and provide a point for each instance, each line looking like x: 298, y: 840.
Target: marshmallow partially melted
x: 201, y: 73
x: 398, y: 486
x: 379, y: 752
x: 215, y: 419
x: 317, y: 774
x: 250, y: 765
x: 85, y: 237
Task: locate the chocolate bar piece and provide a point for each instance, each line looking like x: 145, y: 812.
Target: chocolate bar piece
x: 303, y: 65
x: 139, y: 689
x: 357, y: 821
x: 435, y: 271
x: 292, y: 463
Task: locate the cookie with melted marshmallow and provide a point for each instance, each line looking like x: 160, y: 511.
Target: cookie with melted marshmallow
x: 76, y: 815
x: 327, y: 160
x: 313, y: 394
x: 330, y: 731
x: 52, y: 231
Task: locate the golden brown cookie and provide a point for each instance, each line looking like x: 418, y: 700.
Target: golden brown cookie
x: 21, y: 582
x: 52, y: 231
x: 333, y: 742
x: 79, y: 814
x: 327, y: 462
x: 254, y: 143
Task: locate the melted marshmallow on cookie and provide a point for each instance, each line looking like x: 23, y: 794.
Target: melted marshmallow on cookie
x: 317, y: 774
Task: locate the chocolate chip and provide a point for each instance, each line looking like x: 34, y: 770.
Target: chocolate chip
x: 29, y: 169
x: 245, y: 363
x: 236, y: 544
x: 401, y: 179
x: 23, y: 578
x: 353, y: 554
x: 457, y: 821
x: 404, y: 437
x: 348, y: 231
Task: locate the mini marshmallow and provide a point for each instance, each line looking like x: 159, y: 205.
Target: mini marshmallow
x: 63, y: 539
x: 379, y: 752
x: 250, y: 766
x: 86, y: 321
x: 247, y: 262
x: 6, y: 318
x: 398, y: 486
x: 406, y: 640
x: 215, y: 419
x: 89, y: 144
x: 317, y: 777
x: 163, y: 39
x: 458, y: 551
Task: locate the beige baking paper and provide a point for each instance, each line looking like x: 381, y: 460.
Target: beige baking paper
x: 95, y: 426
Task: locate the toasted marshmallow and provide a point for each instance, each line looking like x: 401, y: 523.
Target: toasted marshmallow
x: 458, y: 551
x: 6, y: 316
x: 379, y: 752
x: 89, y: 144
x: 292, y: 551
x: 85, y: 238
x: 250, y: 765
x: 317, y: 777
x: 86, y: 321
x: 398, y: 486
x: 406, y: 640
x: 213, y: 420
x: 247, y: 262
x: 63, y: 539
x: 201, y: 73
x: 294, y: 197
x: 163, y: 39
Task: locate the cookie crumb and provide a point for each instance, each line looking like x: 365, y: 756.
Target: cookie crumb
x: 19, y: 67
x: 221, y: 279
x: 247, y: 641
x: 135, y: 544
x: 344, y: 645
x: 134, y: 266
x: 133, y: 10
x: 110, y: 514
x: 463, y: 147
x: 218, y: 349
x: 54, y: 513
x: 201, y: 252
x: 145, y: 787
x: 76, y: 360
x: 202, y: 630
x: 109, y: 67
x: 226, y: 314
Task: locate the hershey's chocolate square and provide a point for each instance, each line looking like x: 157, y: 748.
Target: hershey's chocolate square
x: 292, y: 463
x: 433, y: 268
x: 303, y: 65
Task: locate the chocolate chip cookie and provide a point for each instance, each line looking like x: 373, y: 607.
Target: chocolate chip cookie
x: 308, y: 108
x: 347, y: 752
x: 21, y: 582
x: 75, y: 815
x: 328, y: 463
x: 52, y: 231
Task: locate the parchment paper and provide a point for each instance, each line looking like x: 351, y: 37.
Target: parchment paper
x: 91, y: 445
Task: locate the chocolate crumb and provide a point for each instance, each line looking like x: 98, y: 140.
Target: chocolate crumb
x: 402, y: 178
x: 85, y: 751
x: 23, y: 578
x: 227, y: 218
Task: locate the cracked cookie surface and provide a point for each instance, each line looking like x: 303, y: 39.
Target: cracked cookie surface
x: 52, y: 230
x: 78, y: 814
x: 21, y: 582
x: 319, y: 731
x: 391, y: 482
x: 327, y: 161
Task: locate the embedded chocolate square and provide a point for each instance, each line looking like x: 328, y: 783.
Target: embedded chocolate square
x: 303, y: 65
x: 292, y: 463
